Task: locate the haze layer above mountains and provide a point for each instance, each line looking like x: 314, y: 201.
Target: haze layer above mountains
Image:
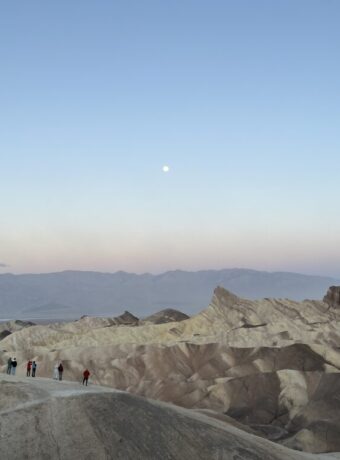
x: 71, y: 294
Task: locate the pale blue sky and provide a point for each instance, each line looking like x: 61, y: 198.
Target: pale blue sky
x: 240, y: 98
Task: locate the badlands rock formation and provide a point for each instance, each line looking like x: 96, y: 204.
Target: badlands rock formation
x: 168, y: 315
x: 273, y: 365
x: 8, y: 327
x: 126, y: 319
x: 332, y: 298
x: 56, y: 420
x: 14, y: 326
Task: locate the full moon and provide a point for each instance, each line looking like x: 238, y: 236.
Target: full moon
x: 166, y: 168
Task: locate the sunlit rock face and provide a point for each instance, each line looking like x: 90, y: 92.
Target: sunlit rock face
x: 271, y: 365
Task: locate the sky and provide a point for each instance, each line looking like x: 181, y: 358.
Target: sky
x: 241, y: 100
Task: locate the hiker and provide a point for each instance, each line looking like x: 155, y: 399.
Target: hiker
x: 56, y: 372
x: 29, y: 366
x: 60, y: 371
x: 34, y: 368
x: 9, y: 365
x: 14, y: 366
x: 86, y: 375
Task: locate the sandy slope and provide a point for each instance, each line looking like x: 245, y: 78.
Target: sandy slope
x: 63, y: 420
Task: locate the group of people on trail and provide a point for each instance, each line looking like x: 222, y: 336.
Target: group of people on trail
x: 31, y: 369
x: 59, y: 369
x: 31, y: 366
x: 11, y: 366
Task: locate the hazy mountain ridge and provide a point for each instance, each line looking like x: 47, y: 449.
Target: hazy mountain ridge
x: 75, y: 293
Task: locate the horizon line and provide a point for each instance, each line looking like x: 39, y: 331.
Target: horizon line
x: 169, y: 271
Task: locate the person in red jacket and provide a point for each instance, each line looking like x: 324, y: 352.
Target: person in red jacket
x: 86, y: 375
x: 29, y: 367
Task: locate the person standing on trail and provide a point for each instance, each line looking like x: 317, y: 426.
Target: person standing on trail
x: 56, y: 371
x: 60, y: 371
x: 9, y: 365
x: 14, y: 366
x: 29, y: 366
x: 86, y: 375
x: 34, y: 368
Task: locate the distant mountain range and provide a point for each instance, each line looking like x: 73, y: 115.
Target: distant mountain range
x: 71, y: 294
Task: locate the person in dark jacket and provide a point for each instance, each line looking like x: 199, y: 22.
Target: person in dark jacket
x: 34, y: 368
x: 28, y: 368
x: 86, y: 375
x: 60, y: 370
x: 9, y: 365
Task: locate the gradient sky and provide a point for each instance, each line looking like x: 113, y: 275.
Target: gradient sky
x: 240, y: 98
